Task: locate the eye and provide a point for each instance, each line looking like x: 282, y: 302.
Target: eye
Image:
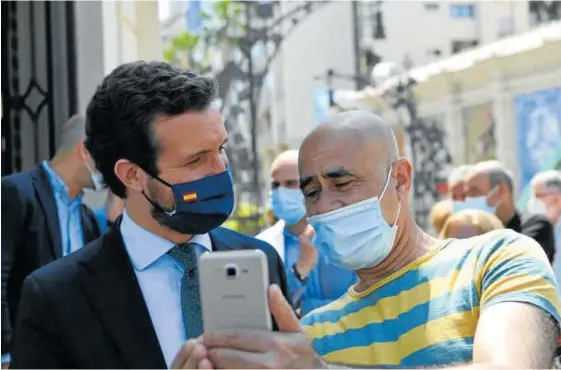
x: 195, y: 160
x: 311, y: 193
x: 222, y: 147
x: 342, y: 185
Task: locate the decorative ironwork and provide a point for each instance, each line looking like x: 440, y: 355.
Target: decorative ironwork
x: 430, y: 156
x: 431, y: 163
x: 36, y: 99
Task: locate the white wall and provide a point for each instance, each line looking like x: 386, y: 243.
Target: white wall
x: 412, y: 29
x: 322, y: 41
x: 109, y: 33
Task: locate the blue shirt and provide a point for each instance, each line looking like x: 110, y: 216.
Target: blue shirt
x: 101, y: 218
x: 69, y: 219
x: 326, y: 282
x: 159, y: 276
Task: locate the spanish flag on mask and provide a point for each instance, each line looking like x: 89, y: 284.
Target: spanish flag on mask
x: 190, y: 197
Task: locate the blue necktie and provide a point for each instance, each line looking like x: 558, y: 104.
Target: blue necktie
x: 186, y: 254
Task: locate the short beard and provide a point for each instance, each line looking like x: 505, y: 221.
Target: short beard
x: 159, y: 214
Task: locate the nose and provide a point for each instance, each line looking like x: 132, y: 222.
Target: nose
x: 327, y: 203
x: 219, y: 164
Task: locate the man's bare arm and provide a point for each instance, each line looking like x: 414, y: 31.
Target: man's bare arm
x: 516, y: 334
x: 509, y: 335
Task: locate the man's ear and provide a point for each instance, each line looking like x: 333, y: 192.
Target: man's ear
x: 129, y: 174
x: 81, y: 151
x: 503, y: 190
x: 403, y: 175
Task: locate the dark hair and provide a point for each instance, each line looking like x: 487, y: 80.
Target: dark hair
x: 121, y: 113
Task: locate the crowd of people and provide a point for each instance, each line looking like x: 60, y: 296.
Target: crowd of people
x: 355, y: 282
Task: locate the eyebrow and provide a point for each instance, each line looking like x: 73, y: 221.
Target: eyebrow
x: 331, y: 174
x: 338, y: 173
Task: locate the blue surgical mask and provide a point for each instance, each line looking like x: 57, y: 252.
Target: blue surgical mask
x: 478, y: 203
x: 288, y: 205
x: 97, y: 178
x: 356, y: 236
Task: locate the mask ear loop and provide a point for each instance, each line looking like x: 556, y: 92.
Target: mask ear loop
x: 387, y: 183
x: 154, y: 204
x: 492, y: 193
x: 384, y: 191
x: 398, y: 212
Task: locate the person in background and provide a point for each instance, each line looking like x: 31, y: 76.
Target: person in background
x: 312, y: 280
x: 490, y: 188
x: 439, y: 213
x: 107, y: 214
x: 468, y: 223
x: 456, y: 183
x: 44, y: 217
x: 546, y: 200
x: 421, y: 302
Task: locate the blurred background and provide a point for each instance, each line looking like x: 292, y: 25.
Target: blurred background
x: 460, y: 81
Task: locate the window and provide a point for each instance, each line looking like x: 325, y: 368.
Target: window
x: 461, y: 11
x: 461, y: 45
x: 431, y: 5
x: 371, y: 18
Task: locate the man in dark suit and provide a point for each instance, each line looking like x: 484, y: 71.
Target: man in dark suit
x: 160, y: 144
x: 490, y: 187
x: 44, y: 217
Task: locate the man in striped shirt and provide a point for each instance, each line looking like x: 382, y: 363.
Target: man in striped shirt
x: 488, y: 301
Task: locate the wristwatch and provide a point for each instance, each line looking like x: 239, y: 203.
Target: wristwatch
x: 298, y: 276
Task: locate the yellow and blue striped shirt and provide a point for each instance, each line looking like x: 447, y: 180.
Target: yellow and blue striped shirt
x: 426, y: 313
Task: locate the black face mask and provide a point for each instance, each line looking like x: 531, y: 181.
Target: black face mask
x: 200, y: 206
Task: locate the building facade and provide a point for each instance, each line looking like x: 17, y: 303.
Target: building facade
x: 325, y: 40
x: 499, y: 101
x: 416, y: 33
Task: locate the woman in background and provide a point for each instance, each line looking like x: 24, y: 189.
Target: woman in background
x: 439, y: 213
x: 468, y: 223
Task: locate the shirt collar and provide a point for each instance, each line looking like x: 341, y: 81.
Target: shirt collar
x: 59, y: 186
x: 144, y: 248
x: 288, y: 234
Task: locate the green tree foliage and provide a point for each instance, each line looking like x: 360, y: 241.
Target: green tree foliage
x: 247, y: 219
x: 218, y: 27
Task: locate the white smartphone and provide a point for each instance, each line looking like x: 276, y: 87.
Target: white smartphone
x: 234, y: 288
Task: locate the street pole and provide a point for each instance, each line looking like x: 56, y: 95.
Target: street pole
x: 252, y: 107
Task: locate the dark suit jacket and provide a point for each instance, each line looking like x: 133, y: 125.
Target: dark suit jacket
x: 536, y: 227
x: 30, y: 236
x: 86, y: 310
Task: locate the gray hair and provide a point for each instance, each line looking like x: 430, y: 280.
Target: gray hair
x: 73, y: 131
x: 496, y: 171
x: 551, y: 180
x: 459, y: 173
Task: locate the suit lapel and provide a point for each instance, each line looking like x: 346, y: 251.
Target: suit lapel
x: 218, y: 244
x: 114, y: 293
x: 46, y: 199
